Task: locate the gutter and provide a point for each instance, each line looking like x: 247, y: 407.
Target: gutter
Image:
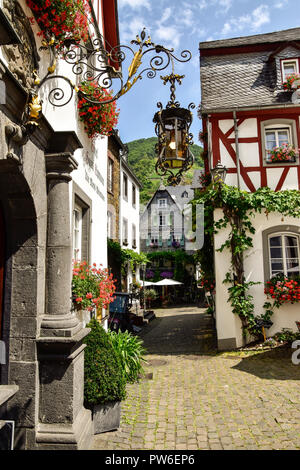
x: 249, y: 108
x: 237, y: 150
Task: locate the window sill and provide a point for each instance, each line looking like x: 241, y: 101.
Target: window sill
x: 283, y: 163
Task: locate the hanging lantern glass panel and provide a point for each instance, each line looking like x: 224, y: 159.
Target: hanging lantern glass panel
x: 172, y: 128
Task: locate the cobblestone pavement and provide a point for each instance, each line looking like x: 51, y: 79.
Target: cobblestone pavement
x: 199, y: 399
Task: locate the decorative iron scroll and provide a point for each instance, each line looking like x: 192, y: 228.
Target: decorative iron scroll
x: 96, y: 62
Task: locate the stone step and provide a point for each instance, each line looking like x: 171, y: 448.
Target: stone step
x: 149, y: 316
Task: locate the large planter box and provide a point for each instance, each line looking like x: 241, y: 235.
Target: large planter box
x: 106, y: 417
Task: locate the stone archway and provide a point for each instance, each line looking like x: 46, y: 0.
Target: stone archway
x: 20, y: 299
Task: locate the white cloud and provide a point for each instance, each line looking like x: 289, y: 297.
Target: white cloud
x: 281, y: 3
x: 129, y: 29
x: 166, y: 15
x: 225, y: 5
x: 260, y: 16
x: 134, y: 4
x: 253, y: 21
x: 170, y: 35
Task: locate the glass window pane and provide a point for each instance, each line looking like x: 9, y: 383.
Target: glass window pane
x: 275, y: 241
x: 291, y: 252
x: 277, y: 266
x: 276, y: 252
x: 293, y: 266
x: 290, y: 241
x: 270, y: 140
x: 289, y: 68
x: 283, y: 137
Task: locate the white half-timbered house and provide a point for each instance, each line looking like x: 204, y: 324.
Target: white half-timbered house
x: 246, y: 112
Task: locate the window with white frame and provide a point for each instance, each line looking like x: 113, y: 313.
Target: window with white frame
x: 162, y: 203
x: 125, y: 186
x: 134, y: 245
x: 125, y: 232
x: 77, y: 232
x: 133, y: 195
x: 284, y: 254
x: 289, y: 67
x: 109, y: 225
x: 162, y: 220
x: 278, y: 135
x: 110, y: 175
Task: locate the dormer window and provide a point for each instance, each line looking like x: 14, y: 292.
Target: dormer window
x: 184, y: 194
x: 162, y: 203
x: 289, y: 67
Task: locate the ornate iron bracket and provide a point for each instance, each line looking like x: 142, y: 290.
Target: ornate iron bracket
x: 96, y: 62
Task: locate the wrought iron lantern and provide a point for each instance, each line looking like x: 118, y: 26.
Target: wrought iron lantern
x: 172, y: 126
x: 218, y: 174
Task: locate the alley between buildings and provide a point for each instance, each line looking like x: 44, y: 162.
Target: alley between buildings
x: 194, y: 398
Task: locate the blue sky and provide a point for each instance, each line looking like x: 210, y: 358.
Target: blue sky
x: 182, y: 25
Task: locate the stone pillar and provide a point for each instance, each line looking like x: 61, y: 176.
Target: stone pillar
x: 63, y: 421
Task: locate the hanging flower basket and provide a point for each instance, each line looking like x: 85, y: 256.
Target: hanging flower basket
x: 97, y: 119
x: 283, y: 154
x: 62, y: 19
x: 283, y: 290
x: 288, y: 84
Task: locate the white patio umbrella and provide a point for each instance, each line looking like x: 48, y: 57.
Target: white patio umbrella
x: 167, y: 282
x: 147, y: 283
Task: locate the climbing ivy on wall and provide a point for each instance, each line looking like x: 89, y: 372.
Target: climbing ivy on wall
x: 239, y: 207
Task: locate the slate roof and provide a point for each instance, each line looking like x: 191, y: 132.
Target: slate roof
x: 176, y: 193
x: 231, y: 81
x: 277, y: 36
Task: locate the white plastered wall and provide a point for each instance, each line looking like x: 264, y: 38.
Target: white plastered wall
x: 228, y: 325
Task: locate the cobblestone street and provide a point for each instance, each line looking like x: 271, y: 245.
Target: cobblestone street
x: 199, y: 399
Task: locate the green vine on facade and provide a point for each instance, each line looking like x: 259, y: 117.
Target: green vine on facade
x: 239, y: 207
x: 125, y: 257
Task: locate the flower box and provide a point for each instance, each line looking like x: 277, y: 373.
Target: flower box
x: 289, y: 85
x: 283, y: 290
x: 283, y: 154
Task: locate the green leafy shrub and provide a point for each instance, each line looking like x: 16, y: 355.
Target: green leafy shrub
x: 104, y: 379
x: 286, y: 336
x: 131, y: 351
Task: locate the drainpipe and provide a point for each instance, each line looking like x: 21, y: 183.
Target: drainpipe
x: 237, y: 151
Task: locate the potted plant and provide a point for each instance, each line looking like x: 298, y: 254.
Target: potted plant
x: 288, y: 84
x: 282, y: 154
x: 104, y: 380
x: 150, y: 295
x: 130, y: 349
x: 92, y: 289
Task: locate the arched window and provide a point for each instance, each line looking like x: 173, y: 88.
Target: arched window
x: 281, y: 251
x: 284, y: 254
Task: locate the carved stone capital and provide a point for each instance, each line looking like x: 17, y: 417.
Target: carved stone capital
x: 60, y: 166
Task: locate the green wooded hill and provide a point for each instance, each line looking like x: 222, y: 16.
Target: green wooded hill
x: 142, y: 159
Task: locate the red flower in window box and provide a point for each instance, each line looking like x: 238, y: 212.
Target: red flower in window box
x: 284, y: 153
x: 98, y: 119
x: 290, y: 79
x: 283, y: 290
